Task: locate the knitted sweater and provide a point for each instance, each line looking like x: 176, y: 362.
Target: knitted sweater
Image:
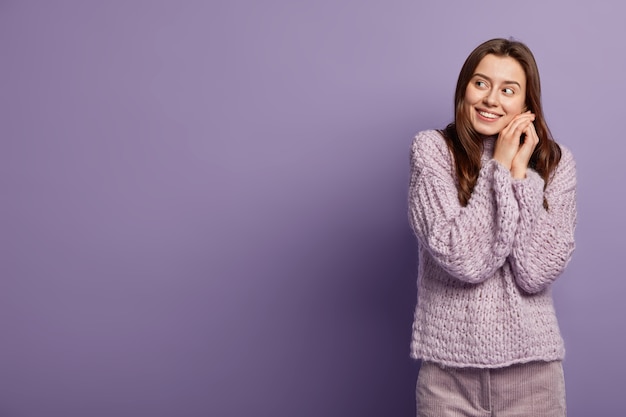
x: 485, y: 269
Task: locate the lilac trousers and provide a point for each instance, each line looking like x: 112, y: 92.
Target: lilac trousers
x: 534, y: 389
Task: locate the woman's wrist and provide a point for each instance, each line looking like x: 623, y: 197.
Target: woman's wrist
x: 518, y: 173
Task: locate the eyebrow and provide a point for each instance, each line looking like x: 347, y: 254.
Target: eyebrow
x: 489, y: 79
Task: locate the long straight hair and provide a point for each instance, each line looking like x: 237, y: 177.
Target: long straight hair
x: 466, y: 144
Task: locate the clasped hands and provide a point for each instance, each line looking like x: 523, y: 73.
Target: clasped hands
x: 510, y: 150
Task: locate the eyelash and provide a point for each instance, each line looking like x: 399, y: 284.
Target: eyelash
x: 481, y: 84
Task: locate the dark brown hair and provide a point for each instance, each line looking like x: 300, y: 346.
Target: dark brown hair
x: 466, y: 144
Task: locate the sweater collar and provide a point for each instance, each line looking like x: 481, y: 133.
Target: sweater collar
x: 489, y: 143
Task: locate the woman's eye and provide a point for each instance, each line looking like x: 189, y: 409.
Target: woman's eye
x: 481, y: 84
x: 508, y: 91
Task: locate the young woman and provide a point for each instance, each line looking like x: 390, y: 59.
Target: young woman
x: 492, y: 201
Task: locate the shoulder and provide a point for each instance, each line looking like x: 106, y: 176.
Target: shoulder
x: 428, y: 141
x: 567, y: 157
x: 429, y: 149
x: 567, y: 163
x: 564, y: 174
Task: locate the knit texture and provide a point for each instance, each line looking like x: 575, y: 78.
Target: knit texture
x: 485, y: 269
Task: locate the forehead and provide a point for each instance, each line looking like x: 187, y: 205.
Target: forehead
x: 501, y: 68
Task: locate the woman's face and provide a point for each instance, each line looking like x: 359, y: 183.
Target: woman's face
x: 495, y: 94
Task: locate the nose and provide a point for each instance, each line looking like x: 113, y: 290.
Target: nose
x: 491, y: 98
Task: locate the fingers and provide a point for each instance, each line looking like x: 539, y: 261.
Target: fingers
x: 522, y: 157
x: 508, y: 142
x: 531, y: 140
x: 520, y: 123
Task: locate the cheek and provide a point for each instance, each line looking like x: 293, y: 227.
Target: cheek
x: 471, y: 97
x: 516, y: 107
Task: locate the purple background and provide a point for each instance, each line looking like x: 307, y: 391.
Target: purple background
x: 204, y: 203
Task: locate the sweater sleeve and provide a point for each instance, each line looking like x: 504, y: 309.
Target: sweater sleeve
x: 469, y: 242
x: 544, y: 239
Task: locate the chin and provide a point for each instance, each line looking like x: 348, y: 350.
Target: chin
x: 487, y: 131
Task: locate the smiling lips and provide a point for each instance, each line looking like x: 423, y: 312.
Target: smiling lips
x: 487, y: 115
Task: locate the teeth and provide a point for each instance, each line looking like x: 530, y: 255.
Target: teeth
x: 488, y: 115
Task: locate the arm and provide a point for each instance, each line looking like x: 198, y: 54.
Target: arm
x: 544, y: 240
x: 470, y: 242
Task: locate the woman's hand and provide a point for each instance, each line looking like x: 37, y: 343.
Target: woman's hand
x: 509, y: 149
x: 525, y: 152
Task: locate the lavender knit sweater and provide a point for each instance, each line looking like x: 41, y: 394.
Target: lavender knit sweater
x: 485, y: 270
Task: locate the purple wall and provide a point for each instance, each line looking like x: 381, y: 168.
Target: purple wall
x: 204, y: 203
